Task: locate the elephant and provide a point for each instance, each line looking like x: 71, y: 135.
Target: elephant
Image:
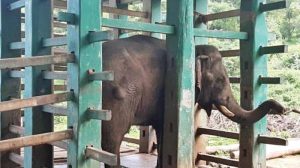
x: 136, y: 96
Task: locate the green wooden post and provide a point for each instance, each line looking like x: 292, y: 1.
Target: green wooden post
x: 178, y: 138
x: 87, y: 94
x: 38, y: 18
x: 201, y: 6
x: 153, y: 8
x: 10, y: 27
x: 253, y: 65
x: 123, y: 6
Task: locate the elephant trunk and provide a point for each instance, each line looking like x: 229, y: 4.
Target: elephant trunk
x: 237, y: 114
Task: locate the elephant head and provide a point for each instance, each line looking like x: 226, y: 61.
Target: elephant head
x: 213, y: 88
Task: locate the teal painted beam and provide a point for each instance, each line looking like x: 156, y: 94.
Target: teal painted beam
x: 101, y: 76
x: 66, y: 17
x: 56, y: 41
x: 139, y: 26
x: 272, y: 6
x: 220, y: 34
x: 100, y: 36
x: 153, y: 8
x: 38, y: 25
x: 201, y: 6
x: 17, y: 74
x: 269, y: 80
x: 99, y: 114
x: 121, y: 33
x: 87, y: 94
x: 55, y: 75
x: 273, y: 49
x: 253, y: 93
x: 178, y: 134
x: 17, y: 45
x: 17, y: 5
x: 10, y: 31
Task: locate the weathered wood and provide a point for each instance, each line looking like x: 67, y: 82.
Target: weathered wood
x: 131, y: 140
x: 55, y: 110
x: 230, y: 53
x: 34, y: 140
x: 60, y: 144
x: 273, y: 49
x: 16, y: 130
x: 178, y: 134
x: 35, y: 101
x: 55, y: 75
x: 87, y: 94
x: 220, y: 34
x: 269, y: 80
x: 99, y: 114
x: 10, y: 31
x: 101, y: 156
x: 138, y: 26
x: 209, y: 131
x: 225, y: 161
x: 106, y: 9
x: 56, y: 41
x: 147, y: 139
x: 272, y: 140
x: 17, y: 74
x: 17, y: 5
x: 223, y: 148
x: 220, y: 15
x: 9, y: 63
x: 253, y: 93
x: 234, y: 79
x: 101, y: 76
x: 273, y: 6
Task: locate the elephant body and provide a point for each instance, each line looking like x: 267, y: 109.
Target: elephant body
x: 136, y: 96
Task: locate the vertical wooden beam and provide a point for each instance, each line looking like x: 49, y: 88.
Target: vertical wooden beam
x: 121, y: 32
x: 201, y: 6
x: 87, y: 94
x: 10, y: 27
x: 153, y: 8
x: 178, y: 138
x: 253, y: 65
x: 147, y: 139
x: 38, y: 18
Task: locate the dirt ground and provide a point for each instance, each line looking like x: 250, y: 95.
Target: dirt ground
x: 285, y: 162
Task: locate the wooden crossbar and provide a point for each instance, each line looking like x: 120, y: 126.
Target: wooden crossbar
x: 35, y: 101
x: 209, y: 131
x: 101, y: 156
x: 225, y: 161
x: 106, y: 9
x: 33, y: 140
x: 9, y: 63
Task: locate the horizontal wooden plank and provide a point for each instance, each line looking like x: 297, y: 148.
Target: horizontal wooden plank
x: 101, y: 76
x: 209, y: 131
x: 55, y: 110
x: 17, y: 45
x: 271, y: 140
x: 98, y: 36
x: 34, y: 61
x: 198, y: 32
x: 99, y: 114
x: 60, y: 144
x: 273, y: 6
x: 56, y: 87
x: 138, y: 26
x: 106, y: 9
x: 101, y: 156
x: 17, y: 74
x: 273, y: 49
x: 32, y: 140
x: 269, y: 80
x: 18, y: 159
x: 234, y: 80
x: 58, y: 75
x: 131, y: 140
x: 35, y: 101
x: 225, y: 161
x: 216, y: 16
x: 17, y: 5
x: 56, y: 41
x: 230, y: 53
